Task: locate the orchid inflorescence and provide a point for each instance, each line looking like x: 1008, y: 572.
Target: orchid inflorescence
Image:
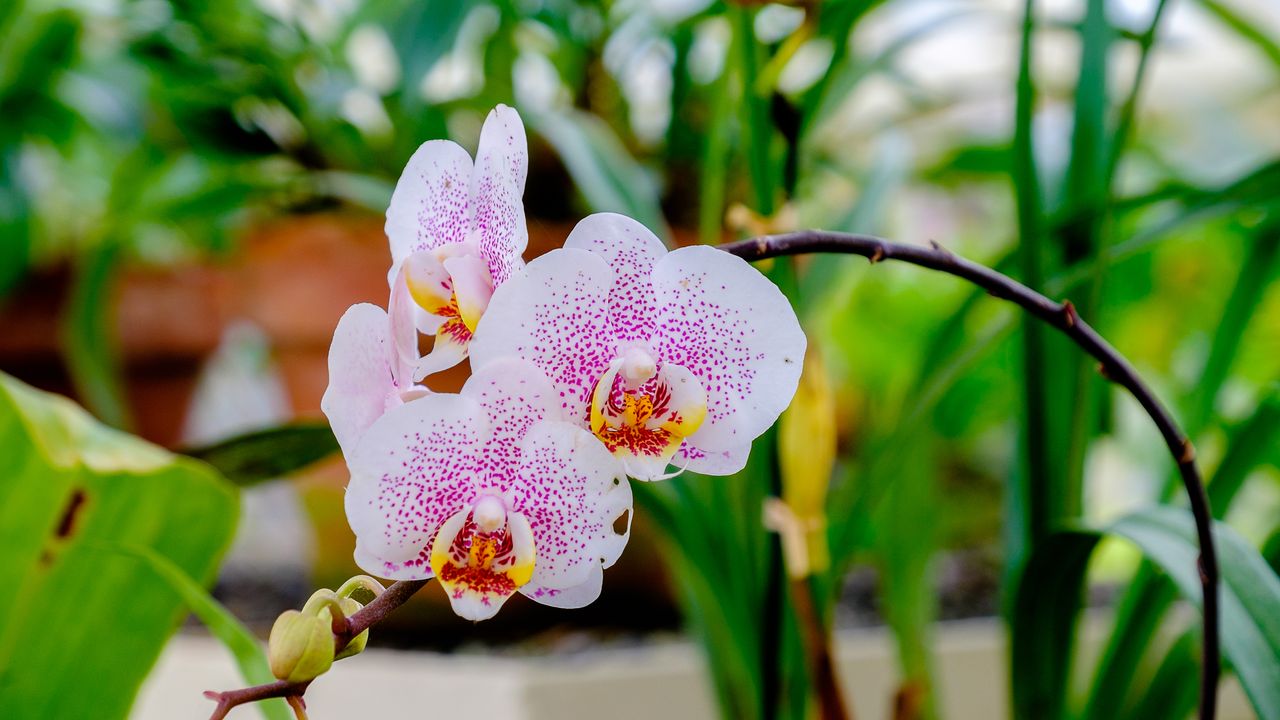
x: 607, y: 358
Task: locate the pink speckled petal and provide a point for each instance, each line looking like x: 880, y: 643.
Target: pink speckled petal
x: 503, y: 137
x: 472, y: 287
x: 578, y: 596
x: 497, y: 192
x: 555, y: 315
x: 736, y: 332
x: 572, y: 490
x: 431, y: 205
x: 362, y: 374
x: 415, y: 569
x: 631, y: 250
x: 515, y: 394
x: 714, y: 462
x: 404, y: 332
x: 414, y: 468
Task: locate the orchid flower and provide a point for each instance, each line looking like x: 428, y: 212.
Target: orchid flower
x: 677, y: 357
x: 457, y: 231
x: 371, y: 363
x: 491, y: 492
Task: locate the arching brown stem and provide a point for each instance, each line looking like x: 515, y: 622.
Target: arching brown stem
x: 1063, y: 317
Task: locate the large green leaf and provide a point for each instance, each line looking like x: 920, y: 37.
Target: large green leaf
x: 81, y: 628
x: 1250, y: 603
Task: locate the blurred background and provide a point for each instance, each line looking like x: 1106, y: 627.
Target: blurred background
x: 191, y: 194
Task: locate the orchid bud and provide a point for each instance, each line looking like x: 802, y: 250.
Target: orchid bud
x: 349, y: 607
x: 300, y: 647
x: 362, y: 588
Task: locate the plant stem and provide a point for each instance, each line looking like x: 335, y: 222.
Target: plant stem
x: 1063, y: 317
x: 817, y: 649
x: 372, y: 614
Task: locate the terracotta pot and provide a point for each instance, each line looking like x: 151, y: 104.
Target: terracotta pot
x: 165, y: 322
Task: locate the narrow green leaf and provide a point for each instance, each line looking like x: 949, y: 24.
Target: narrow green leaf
x: 1173, y: 692
x: 1042, y: 625
x: 89, y: 347
x: 1025, y: 508
x: 1247, y: 28
x: 268, y: 454
x: 1149, y: 595
x: 1250, y: 595
x: 239, y: 641
x: 605, y: 173
x: 712, y: 183
x: 1250, y: 598
x: 757, y: 128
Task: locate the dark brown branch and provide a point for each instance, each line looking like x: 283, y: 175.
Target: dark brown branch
x: 373, y: 613
x: 1062, y: 316
x: 817, y: 650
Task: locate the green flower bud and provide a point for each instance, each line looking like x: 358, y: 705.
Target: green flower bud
x: 301, y: 646
x: 361, y: 587
x: 356, y: 646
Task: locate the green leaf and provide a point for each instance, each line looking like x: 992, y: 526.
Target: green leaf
x: 268, y: 454
x: 1249, y: 29
x: 74, y: 618
x: 1250, y: 595
x: 1042, y: 623
x: 1246, y: 297
x: 15, y: 223
x: 244, y: 647
x: 88, y: 343
x: 604, y: 172
x: 1173, y: 691
x: 1250, y: 602
x: 1149, y: 595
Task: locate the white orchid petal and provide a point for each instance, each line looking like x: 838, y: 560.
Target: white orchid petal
x: 554, y: 315
x: 631, y: 250
x: 362, y: 373
x: 736, y: 332
x: 450, y: 348
x: 411, y: 471
x: 514, y: 395
x: 714, y: 462
x: 404, y: 332
x: 497, y: 191
x: 431, y: 204
x: 572, y: 490
x: 572, y: 598
x: 391, y: 570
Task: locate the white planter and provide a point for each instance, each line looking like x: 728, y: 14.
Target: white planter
x: 665, y: 680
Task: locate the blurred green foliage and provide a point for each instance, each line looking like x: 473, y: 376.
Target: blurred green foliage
x: 168, y: 125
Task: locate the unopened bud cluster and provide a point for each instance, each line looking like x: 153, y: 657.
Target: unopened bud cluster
x: 303, y: 646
